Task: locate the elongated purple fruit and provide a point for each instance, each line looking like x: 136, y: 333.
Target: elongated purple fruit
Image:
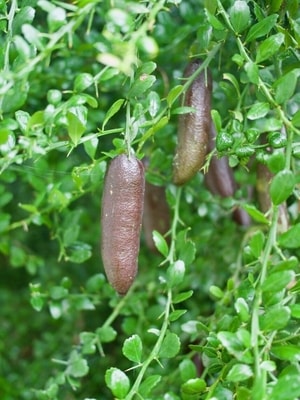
x: 156, y: 213
x: 121, y: 220
x: 194, y: 127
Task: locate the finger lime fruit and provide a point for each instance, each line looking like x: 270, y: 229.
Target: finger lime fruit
x: 121, y: 220
x: 194, y: 127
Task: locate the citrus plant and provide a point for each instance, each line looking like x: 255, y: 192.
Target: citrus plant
x: 214, y: 310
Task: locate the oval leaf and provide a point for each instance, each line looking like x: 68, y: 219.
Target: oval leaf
x: 240, y: 16
x: 269, y: 47
x: 282, y: 186
x: 262, y: 28
x: 291, y: 238
x: 118, y: 382
x: 170, y: 346
x: 239, y: 372
x: 132, y: 348
x: 258, y: 110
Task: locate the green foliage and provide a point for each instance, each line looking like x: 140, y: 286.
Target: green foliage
x: 214, y: 312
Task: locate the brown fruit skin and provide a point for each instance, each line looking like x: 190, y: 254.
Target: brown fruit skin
x: 156, y: 215
x: 194, y: 127
x: 121, y: 220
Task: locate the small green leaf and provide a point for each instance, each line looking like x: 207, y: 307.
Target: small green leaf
x: 193, y: 386
x: 174, y: 93
x: 175, y: 315
x: 214, y: 22
x: 118, y: 382
x: 235, y: 346
x: 278, y: 281
x: 58, y: 292
x: 295, y: 310
x: 261, y: 28
x: 87, y: 341
x: 170, y: 346
x: 175, y: 273
x: 269, y: 47
x: 239, y: 373
x: 285, y: 86
x: 275, y: 318
x: 256, y: 243
x: 83, y: 81
x: 141, y: 85
x: 242, y: 309
x: 187, y: 370
x: 296, y: 119
x: 216, y: 292
x: 282, y: 186
x: 217, y: 120
x: 132, y: 348
x: 231, y: 78
x: 258, y: 110
x: 112, y: 111
x: 77, y: 120
x: 252, y: 72
x: 148, y: 385
x: 179, y: 298
x: 106, y: 334
x: 287, y: 352
x: 79, y: 252
x: 183, y: 110
x: 286, y: 388
x: 239, y: 15
x: 77, y: 366
x: 153, y: 103
x: 160, y: 243
x: 91, y: 146
x: 291, y: 238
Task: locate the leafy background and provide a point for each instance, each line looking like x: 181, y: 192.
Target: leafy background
x: 214, y: 313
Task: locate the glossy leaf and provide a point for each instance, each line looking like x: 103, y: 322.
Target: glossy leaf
x: 242, y: 309
x: 187, y: 370
x: 258, y: 110
x: 239, y: 373
x: 291, y: 238
x: 255, y: 214
x: 278, y: 281
x: 112, y: 111
x: 261, y: 28
x: 118, y: 382
x: 148, y: 385
x: 160, y: 243
x: 106, y: 334
x: 179, y: 298
x: 282, y: 186
x: 285, y: 86
x: 269, y: 47
x: 286, y: 388
x: 170, y: 346
x: 173, y: 95
x: 141, y: 85
x: 176, y: 273
x: 193, y: 386
x: 287, y: 352
x: 275, y: 318
x: 240, y: 16
x: 132, y: 348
